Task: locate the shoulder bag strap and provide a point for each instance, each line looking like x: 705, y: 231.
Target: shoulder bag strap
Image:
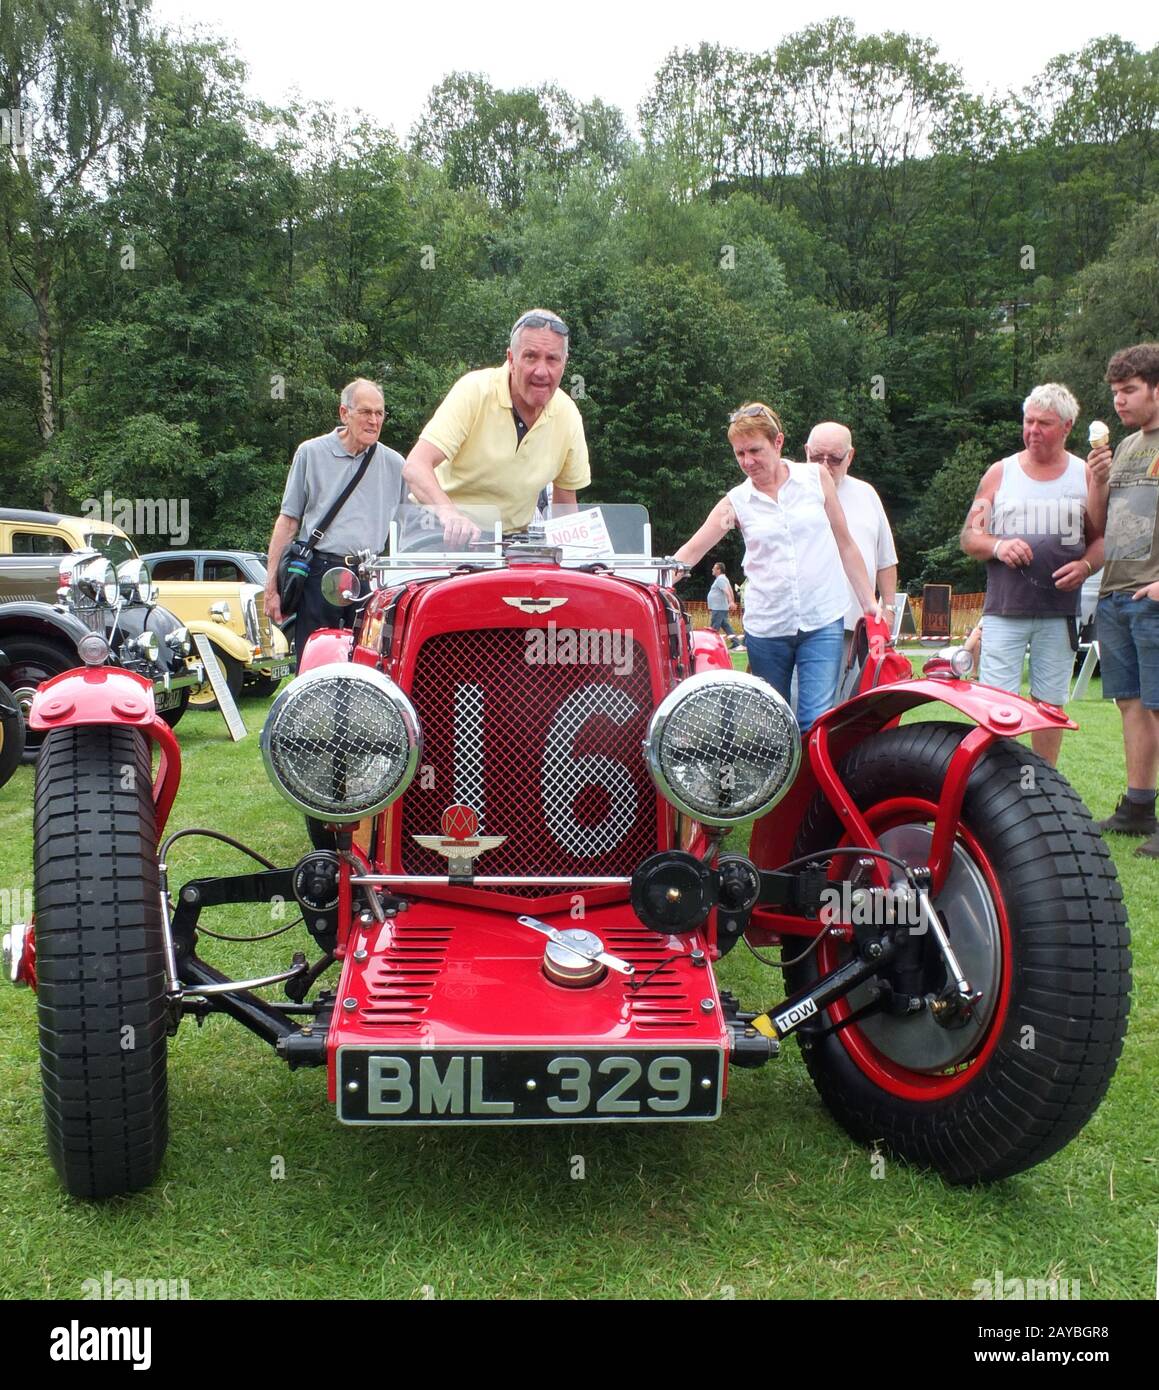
x: 319, y: 531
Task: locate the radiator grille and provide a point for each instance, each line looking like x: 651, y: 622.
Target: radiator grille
x: 547, y: 754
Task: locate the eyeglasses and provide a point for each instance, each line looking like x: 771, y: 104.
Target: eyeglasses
x: 556, y: 325
x: 835, y: 459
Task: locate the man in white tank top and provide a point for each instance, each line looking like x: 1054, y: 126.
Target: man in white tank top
x: 1029, y: 525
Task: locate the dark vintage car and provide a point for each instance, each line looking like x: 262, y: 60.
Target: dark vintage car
x: 215, y: 566
x: 528, y: 765
x: 11, y: 732
x: 50, y: 603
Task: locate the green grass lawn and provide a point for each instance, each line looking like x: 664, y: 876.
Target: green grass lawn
x: 771, y: 1201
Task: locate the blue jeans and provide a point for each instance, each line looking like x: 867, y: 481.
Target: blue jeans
x: 817, y: 657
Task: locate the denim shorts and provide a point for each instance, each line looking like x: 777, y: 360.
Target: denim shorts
x: 1004, y: 644
x: 718, y: 621
x: 1127, y: 631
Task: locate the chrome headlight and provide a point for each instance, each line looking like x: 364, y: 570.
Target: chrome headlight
x: 147, y: 645
x: 134, y: 581
x: 97, y: 579
x: 723, y: 746
x: 178, y: 639
x: 341, y: 742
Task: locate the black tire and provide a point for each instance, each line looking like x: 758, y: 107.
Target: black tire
x: 320, y: 834
x: 202, y: 696
x: 173, y: 717
x: 32, y: 660
x: 11, y: 735
x: 1034, y: 908
x: 261, y: 688
x: 100, y: 961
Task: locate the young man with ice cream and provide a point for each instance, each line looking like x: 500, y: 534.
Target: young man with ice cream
x: 1124, y: 501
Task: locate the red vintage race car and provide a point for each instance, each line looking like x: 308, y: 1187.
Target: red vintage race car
x: 519, y: 769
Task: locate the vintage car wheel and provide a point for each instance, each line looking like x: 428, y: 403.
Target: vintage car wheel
x: 32, y: 660
x: 11, y: 735
x: 261, y: 688
x: 202, y: 696
x: 173, y: 716
x: 1033, y: 907
x: 100, y: 961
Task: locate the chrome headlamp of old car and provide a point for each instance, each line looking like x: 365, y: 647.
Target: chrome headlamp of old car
x: 178, y: 640
x: 723, y: 747
x: 89, y: 578
x: 341, y: 742
x: 135, y: 584
x: 146, y: 645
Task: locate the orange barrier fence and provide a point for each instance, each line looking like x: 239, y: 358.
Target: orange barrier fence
x: 965, y: 610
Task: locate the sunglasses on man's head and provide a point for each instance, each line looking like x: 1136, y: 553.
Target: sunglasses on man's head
x: 556, y: 325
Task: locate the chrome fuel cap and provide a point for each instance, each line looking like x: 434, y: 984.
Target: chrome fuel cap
x: 574, y: 968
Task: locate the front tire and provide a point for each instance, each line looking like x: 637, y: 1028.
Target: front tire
x: 1033, y: 906
x: 202, y: 696
x: 100, y: 961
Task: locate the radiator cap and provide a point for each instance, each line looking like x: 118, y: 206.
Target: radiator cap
x: 567, y: 967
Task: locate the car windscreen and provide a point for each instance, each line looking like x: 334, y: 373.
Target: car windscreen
x: 585, y: 531
x: 118, y: 549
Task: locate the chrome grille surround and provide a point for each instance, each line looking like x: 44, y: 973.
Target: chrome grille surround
x: 723, y: 747
x: 341, y: 742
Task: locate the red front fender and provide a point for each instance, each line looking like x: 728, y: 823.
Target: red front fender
x: 325, y: 645
x: 996, y: 714
x: 106, y: 695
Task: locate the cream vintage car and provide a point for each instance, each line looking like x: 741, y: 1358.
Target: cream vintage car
x: 252, y: 651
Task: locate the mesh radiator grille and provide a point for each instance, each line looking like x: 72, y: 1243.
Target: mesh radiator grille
x: 547, y: 754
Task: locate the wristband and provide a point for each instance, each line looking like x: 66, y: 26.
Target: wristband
x: 996, y: 545
x: 1090, y: 567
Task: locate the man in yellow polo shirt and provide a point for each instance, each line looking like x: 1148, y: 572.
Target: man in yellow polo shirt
x: 502, y: 434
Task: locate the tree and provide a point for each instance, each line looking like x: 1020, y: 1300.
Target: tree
x: 72, y: 69
x: 1111, y: 305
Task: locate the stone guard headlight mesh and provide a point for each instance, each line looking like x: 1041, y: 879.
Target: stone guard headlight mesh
x: 723, y: 746
x: 341, y: 742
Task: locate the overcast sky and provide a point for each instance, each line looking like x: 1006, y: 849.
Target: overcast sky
x: 385, y: 58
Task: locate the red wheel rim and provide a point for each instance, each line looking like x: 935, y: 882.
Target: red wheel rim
x: 899, y: 1080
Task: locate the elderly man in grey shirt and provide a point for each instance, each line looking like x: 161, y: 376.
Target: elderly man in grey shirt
x: 321, y: 470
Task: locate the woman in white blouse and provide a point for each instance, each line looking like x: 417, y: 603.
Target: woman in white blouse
x: 798, y: 552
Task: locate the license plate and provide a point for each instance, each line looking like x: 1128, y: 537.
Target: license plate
x: 442, y: 1086
x: 166, y: 699
x: 279, y: 673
